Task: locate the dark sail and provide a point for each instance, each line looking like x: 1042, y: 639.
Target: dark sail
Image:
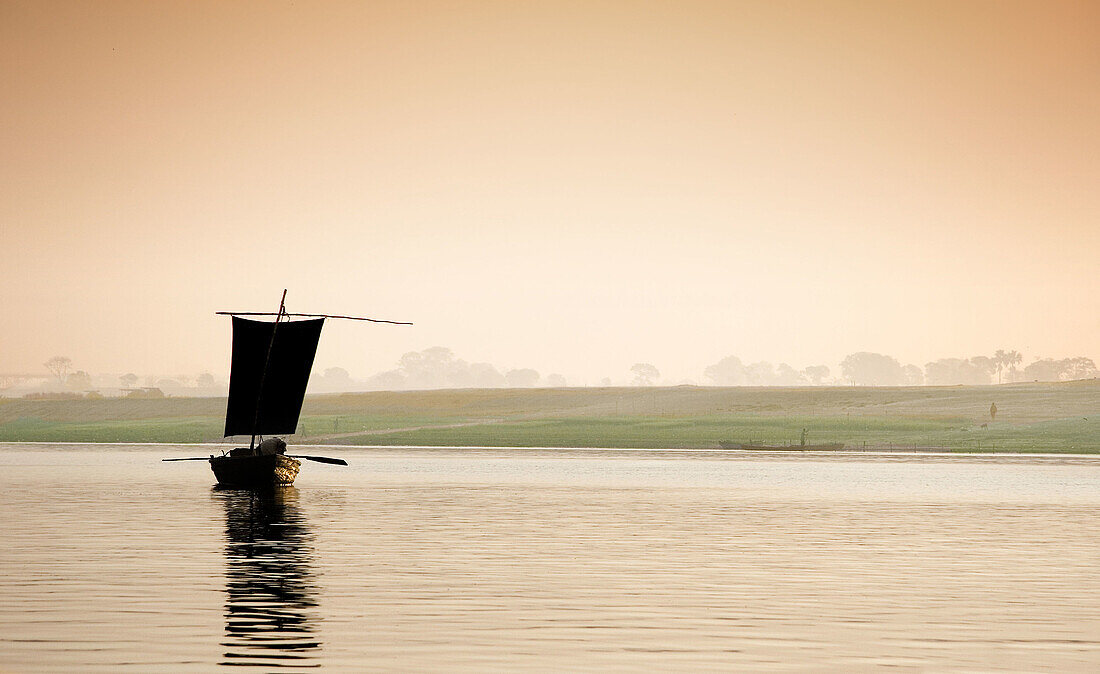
x: 284, y: 384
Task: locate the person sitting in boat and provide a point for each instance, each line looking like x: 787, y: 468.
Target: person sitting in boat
x: 271, y: 446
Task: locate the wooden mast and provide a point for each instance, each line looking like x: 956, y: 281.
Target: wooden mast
x: 263, y: 374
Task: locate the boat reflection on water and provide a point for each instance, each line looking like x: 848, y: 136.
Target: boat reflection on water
x: 269, y: 587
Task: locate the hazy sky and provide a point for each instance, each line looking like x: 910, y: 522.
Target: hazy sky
x: 569, y: 186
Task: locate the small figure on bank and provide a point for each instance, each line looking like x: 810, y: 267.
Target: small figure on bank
x: 803, y: 442
x: 993, y: 412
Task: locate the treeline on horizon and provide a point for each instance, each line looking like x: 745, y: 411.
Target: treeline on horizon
x: 439, y: 368
x: 876, y: 369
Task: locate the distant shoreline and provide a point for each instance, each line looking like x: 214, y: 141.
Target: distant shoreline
x: 6, y: 444
x: 1031, y: 418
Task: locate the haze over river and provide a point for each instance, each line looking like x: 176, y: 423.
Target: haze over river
x: 453, y: 559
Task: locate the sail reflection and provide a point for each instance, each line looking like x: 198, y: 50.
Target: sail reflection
x: 269, y: 587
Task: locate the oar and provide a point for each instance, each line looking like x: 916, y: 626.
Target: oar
x: 320, y: 459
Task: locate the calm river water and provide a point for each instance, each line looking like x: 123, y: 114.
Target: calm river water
x: 422, y: 559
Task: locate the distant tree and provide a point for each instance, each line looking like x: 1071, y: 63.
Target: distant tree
x: 1049, y: 369
x: 727, y: 372
x: 951, y: 371
x: 59, y: 366
x: 730, y: 371
x: 606, y: 381
x: 79, y: 381
x: 128, y: 380
x: 522, y: 378
x: 1079, y: 368
x: 943, y: 372
x: 760, y: 374
x: 335, y: 379
x: 914, y: 376
x: 644, y: 374
x: 1046, y: 369
x: 421, y: 367
x: 390, y: 380
x: 1004, y: 361
x: 1043, y: 369
x: 872, y: 369
x: 436, y: 367
x: 168, y: 384
x: 984, y: 368
x: 1013, y: 374
x: 785, y: 375
x: 459, y: 376
x: 204, y: 380
x: 816, y: 374
x: 337, y: 374
x: 555, y: 381
x: 484, y: 375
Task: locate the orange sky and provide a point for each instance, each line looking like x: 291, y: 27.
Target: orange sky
x: 570, y: 186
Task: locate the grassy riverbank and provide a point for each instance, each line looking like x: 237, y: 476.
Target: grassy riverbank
x: 1062, y: 417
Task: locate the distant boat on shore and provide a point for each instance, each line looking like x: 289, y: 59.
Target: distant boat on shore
x: 781, y: 448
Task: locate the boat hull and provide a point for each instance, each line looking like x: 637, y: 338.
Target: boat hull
x: 267, y: 470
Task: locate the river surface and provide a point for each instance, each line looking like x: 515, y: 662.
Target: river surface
x: 550, y: 560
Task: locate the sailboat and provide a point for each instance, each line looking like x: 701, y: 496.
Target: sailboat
x: 271, y: 364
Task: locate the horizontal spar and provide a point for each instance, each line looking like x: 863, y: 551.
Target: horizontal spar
x: 318, y: 459
x: 275, y: 313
